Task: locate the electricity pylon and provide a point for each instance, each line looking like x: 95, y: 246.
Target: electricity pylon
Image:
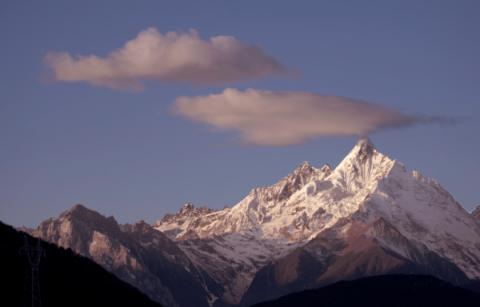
x: 34, y: 253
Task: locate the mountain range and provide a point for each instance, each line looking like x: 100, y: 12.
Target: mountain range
x: 368, y: 216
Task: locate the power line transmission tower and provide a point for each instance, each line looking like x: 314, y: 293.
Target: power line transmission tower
x: 34, y: 253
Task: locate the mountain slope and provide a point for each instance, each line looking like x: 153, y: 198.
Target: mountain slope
x: 64, y: 278
x: 138, y: 254
x: 476, y: 214
x: 368, y: 216
x: 406, y: 220
x: 390, y: 290
x: 231, y: 244
x: 347, y: 252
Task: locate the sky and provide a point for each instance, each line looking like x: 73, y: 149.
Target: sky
x: 85, y: 118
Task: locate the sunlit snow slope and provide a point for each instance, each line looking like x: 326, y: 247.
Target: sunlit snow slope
x: 366, y: 187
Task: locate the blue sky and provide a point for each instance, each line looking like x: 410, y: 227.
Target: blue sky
x: 125, y: 154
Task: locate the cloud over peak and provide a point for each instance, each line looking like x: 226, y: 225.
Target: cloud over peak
x: 273, y: 118
x: 171, y: 57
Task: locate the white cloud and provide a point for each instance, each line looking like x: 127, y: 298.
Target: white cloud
x: 285, y: 118
x: 170, y: 57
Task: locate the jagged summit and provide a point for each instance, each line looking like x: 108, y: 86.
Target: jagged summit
x: 187, y: 207
x: 174, y: 222
x: 187, y: 210
x: 79, y: 220
x: 362, y: 166
x: 365, y: 142
x: 293, y: 182
x: 365, y: 148
x: 326, y: 168
x: 80, y: 210
x: 301, y: 172
x: 77, y: 209
x: 304, y: 166
x: 306, y: 171
x: 362, y: 151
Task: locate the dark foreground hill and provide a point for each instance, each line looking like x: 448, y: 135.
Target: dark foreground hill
x: 63, y: 278
x: 388, y: 290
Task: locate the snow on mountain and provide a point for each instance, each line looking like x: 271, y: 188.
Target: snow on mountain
x: 231, y: 244
x: 234, y: 243
x: 353, y: 248
x: 368, y: 216
x: 175, y: 225
x: 257, y: 213
x: 417, y: 206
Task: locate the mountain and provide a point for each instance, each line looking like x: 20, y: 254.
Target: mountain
x: 62, y: 278
x: 476, y: 213
x: 230, y: 244
x: 137, y: 254
x: 358, y: 252
x: 388, y: 290
x: 368, y: 216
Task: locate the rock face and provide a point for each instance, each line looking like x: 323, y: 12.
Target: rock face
x: 368, y: 216
x: 137, y: 254
x: 62, y: 278
x: 476, y: 213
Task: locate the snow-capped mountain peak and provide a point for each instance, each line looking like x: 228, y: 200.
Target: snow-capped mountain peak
x: 363, y: 150
x: 190, y: 210
x: 293, y: 182
x: 363, y: 166
x: 366, y: 186
x: 294, y: 208
x: 364, y: 147
x: 368, y: 215
x: 178, y: 224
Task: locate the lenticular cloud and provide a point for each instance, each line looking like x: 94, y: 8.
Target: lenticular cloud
x: 286, y: 118
x: 170, y: 57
